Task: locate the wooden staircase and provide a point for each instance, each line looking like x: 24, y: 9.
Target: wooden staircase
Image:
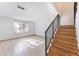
x: 64, y: 43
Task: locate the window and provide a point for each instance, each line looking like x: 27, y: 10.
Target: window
x: 21, y: 26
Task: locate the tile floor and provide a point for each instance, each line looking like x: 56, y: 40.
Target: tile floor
x: 27, y: 46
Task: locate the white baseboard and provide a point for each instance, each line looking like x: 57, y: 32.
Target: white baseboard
x: 16, y: 35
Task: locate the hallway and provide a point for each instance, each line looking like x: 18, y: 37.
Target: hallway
x: 64, y: 42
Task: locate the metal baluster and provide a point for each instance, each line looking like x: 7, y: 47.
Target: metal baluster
x: 51, y: 30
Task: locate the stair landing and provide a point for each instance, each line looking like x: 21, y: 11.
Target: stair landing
x: 64, y: 42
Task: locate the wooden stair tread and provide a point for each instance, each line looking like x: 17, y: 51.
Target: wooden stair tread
x: 64, y: 43
x: 62, y: 52
x: 64, y: 49
x: 67, y: 27
x: 65, y: 34
x: 65, y: 39
x: 68, y: 37
x: 72, y: 31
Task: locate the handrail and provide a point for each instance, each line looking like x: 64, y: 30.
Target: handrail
x: 50, y: 31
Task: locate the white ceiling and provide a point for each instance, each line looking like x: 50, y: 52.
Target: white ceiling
x: 32, y: 11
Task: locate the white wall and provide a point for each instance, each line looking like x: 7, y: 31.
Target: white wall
x: 8, y: 31
x: 42, y: 14
x: 67, y: 17
x: 48, y: 13
x: 66, y: 11
x: 6, y: 27
x: 77, y: 24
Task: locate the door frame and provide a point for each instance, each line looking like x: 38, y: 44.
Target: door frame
x: 75, y: 10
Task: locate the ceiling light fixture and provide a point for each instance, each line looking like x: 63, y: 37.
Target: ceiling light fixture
x: 20, y: 7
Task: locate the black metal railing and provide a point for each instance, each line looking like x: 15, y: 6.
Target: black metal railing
x: 49, y: 33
